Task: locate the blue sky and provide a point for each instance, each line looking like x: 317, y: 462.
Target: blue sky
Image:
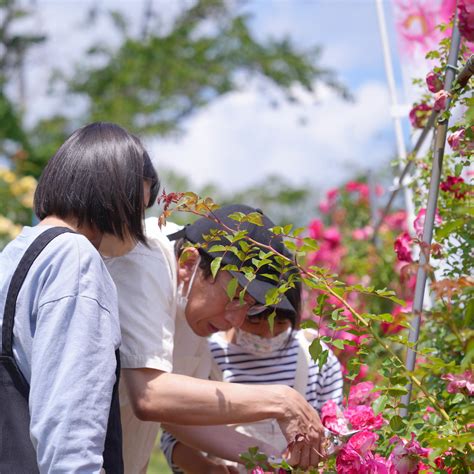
x: 239, y: 138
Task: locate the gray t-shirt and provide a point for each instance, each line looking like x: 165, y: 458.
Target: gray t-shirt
x: 65, y: 336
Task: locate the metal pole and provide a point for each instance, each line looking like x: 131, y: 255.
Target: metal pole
x: 401, y: 148
x: 413, y: 154
x: 441, y: 132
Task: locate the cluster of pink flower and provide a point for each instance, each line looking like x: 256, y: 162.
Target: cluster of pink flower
x: 404, y: 241
x: 357, y: 455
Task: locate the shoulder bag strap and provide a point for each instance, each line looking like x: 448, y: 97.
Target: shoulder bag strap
x: 17, y: 280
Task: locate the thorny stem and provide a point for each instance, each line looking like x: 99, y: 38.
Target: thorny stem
x: 329, y: 290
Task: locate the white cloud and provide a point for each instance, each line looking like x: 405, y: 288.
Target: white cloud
x: 239, y: 139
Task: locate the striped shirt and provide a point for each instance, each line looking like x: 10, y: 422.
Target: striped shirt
x: 279, y: 367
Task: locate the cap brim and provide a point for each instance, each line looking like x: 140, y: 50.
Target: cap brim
x: 257, y: 289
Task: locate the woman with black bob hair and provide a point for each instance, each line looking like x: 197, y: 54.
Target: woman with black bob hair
x: 61, y: 332
x: 96, y: 179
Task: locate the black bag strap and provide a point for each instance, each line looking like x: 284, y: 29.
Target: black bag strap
x: 17, y: 280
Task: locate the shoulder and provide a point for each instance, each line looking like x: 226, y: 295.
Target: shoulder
x: 71, y: 266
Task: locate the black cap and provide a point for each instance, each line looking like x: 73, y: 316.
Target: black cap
x: 258, y: 287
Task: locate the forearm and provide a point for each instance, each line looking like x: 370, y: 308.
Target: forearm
x: 172, y: 398
x: 190, y: 459
x: 220, y: 441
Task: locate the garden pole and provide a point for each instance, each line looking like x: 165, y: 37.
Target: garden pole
x: 395, y: 112
x: 438, y: 153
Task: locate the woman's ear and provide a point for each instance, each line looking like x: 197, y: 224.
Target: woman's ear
x: 186, y: 264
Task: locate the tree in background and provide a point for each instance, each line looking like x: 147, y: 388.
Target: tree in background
x: 151, y: 83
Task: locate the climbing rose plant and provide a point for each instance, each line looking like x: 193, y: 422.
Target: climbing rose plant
x: 359, y: 294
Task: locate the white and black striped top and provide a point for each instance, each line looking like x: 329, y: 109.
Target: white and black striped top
x: 278, y: 367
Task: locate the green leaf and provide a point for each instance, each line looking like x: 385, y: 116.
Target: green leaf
x: 232, y: 288
x: 215, y: 265
x: 379, y: 404
x: 271, y: 320
x: 397, y: 424
x: 309, y: 324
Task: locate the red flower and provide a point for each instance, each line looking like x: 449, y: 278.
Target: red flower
x: 419, y: 115
x: 332, y: 236
x: 433, y: 81
x: 361, y: 394
x: 363, y: 417
x: 460, y: 382
x: 452, y: 185
x: 333, y: 419
x: 466, y: 19
x: 455, y: 139
x: 315, y: 229
x: 440, y: 100
x: 419, y: 221
x: 405, y: 456
x: 402, y: 247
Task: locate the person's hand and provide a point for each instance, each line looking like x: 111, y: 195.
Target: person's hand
x: 220, y: 468
x: 302, y: 429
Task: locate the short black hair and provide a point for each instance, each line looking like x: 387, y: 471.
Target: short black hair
x: 96, y: 176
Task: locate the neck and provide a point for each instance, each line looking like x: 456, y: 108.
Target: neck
x: 89, y: 232
x: 112, y: 246
x: 230, y: 335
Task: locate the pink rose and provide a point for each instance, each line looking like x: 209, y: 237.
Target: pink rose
x: 433, y: 81
x: 405, y: 456
x: 455, y: 139
x: 419, y: 221
x: 257, y: 470
x: 440, y: 100
x: 356, y: 456
x: 452, y: 184
x: 332, y: 236
x: 363, y: 417
x: 333, y: 419
x: 332, y: 194
x: 315, y: 229
x: 397, y: 220
x: 460, y: 382
x: 402, y: 247
x: 466, y: 19
x: 361, y: 188
x: 363, y: 233
x: 419, y: 115
x: 361, y: 394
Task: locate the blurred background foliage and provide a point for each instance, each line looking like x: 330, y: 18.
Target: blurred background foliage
x: 151, y: 83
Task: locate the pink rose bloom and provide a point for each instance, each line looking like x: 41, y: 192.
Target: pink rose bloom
x: 397, y: 220
x: 315, y: 229
x: 405, y: 456
x: 466, y: 19
x: 332, y: 236
x: 402, y: 247
x: 440, y: 100
x: 452, y: 185
x: 332, y: 194
x: 333, y: 419
x: 460, y: 382
x: 363, y: 233
x: 419, y: 115
x: 363, y: 417
x: 361, y: 394
x: 419, y: 221
x: 356, y: 456
x: 455, y: 139
x: 257, y: 470
x: 361, y: 188
x: 433, y: 81
x: 324, y: 206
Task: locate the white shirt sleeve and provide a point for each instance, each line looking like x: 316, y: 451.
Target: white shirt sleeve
x: 146, y: 294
